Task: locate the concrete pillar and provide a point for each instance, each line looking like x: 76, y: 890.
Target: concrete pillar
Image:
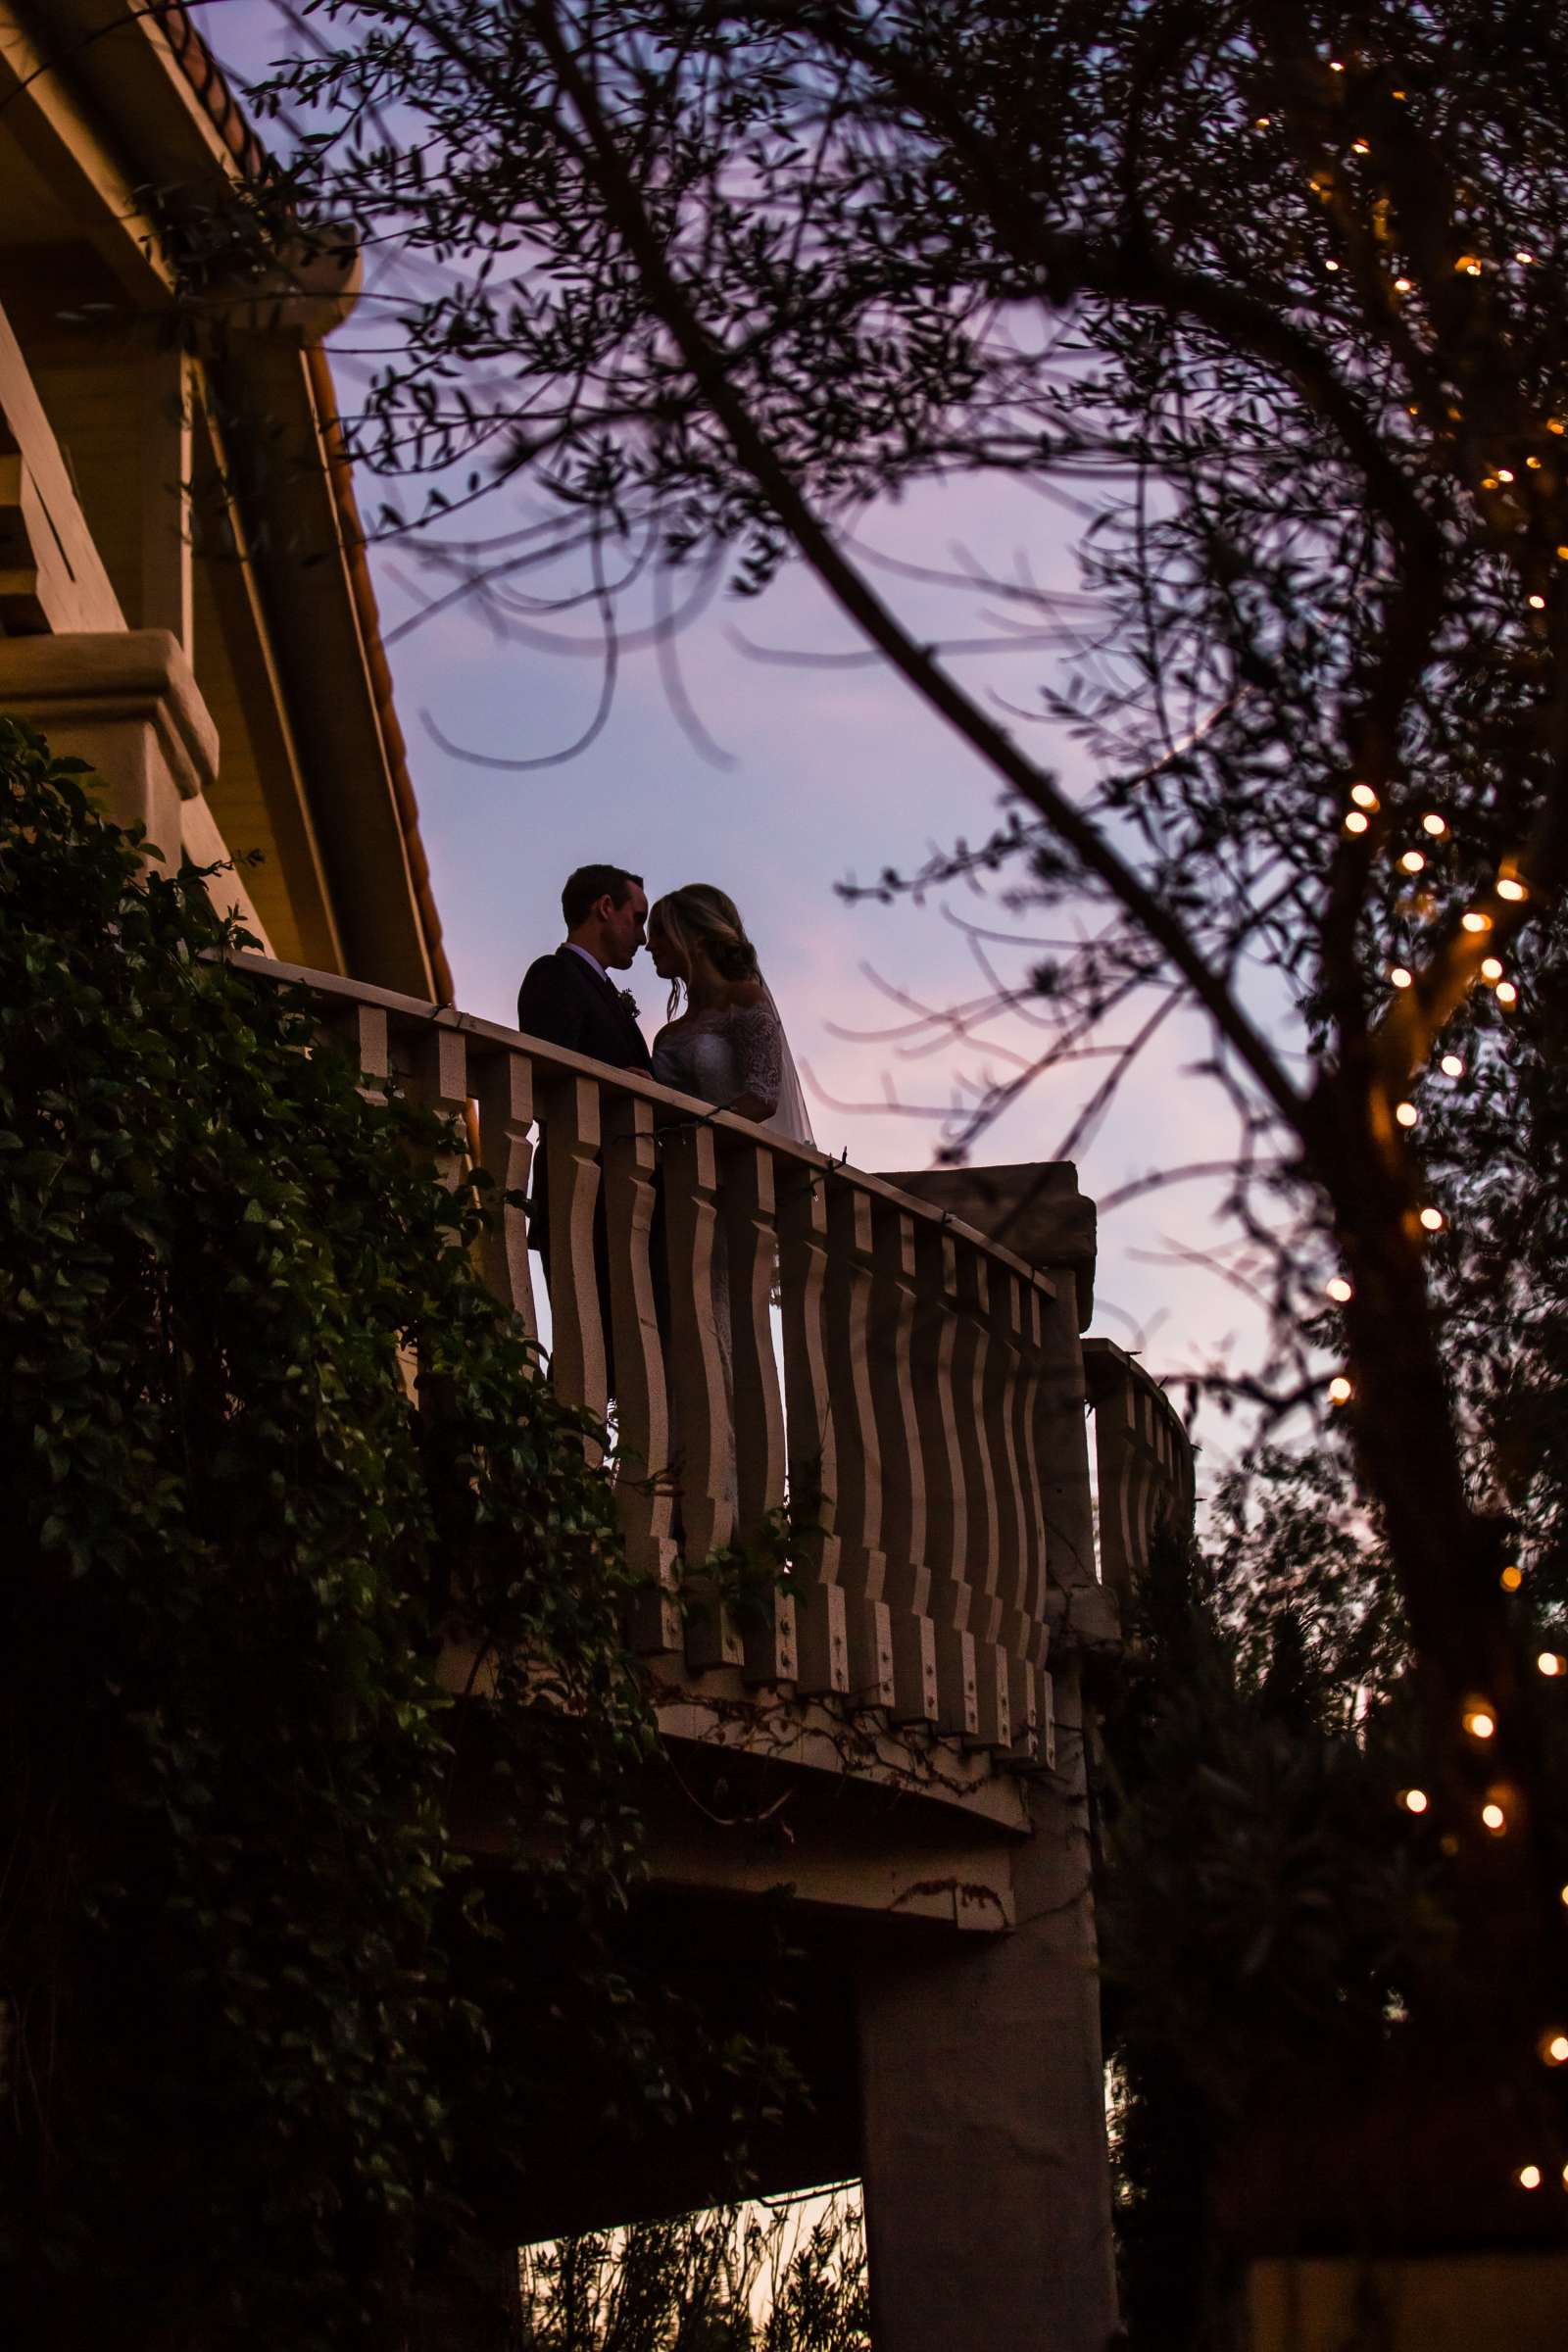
x: 987, y: 2181
x: 127, y: 703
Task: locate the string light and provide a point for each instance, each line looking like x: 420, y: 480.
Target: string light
x: 1401, y: 286
x: 1524, y: 257
x: 1474, y: 921
x: 1555, y: 425
x: 1337, y: 1288
x: 1468, y: 262
x: 1416, y: 1800
x: 1412, y: 861
x: 1339, y: 1390
x: 1432, y: 1219
x: 1359, y: 147
x: 1330, y: 264
x: 1480, y: 1723
x: 1534, y: 464
x: 1536, y: 604
x: 1363, y: 796
x: 1503, y: 474
x: 1562, y: 1894
x: 1335, y: 65
x: 1355, y: 822
x: 1507, y: 993
x: 1513, y: 1577
x: 1399, y: 976
x: 1406, y: 1113
x: 1509, y: 887
x: 1263, y: 122
x: 1553, y: 2048
x: 1529, y: 2176
x: 1495, y: 1819
x: 1550, y: 1662
x: 1491, y: 969
x: 1434, y: 824
x: 1452, y: 1066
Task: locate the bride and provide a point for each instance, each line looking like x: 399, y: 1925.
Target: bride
x: 727, y: 1045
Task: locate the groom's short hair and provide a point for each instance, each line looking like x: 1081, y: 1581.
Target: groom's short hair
x: 590, y: 883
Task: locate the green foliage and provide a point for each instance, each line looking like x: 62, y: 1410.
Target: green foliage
x: 734, y: 2280
x: 249, y: 1981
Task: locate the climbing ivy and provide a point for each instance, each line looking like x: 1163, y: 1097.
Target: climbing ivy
x: 265, y: 1441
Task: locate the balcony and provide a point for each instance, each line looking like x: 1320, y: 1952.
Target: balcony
x: 895, y: 1744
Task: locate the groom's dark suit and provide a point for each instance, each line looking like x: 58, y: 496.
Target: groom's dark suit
x: 565, y: 1001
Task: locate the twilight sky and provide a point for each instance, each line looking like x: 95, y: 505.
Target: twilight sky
x: 833, y: 772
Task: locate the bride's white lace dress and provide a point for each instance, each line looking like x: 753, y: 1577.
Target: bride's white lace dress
x: 720, y: 1055
x: 734, y: 1051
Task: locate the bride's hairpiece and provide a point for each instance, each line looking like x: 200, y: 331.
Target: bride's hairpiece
x: 701, y: 915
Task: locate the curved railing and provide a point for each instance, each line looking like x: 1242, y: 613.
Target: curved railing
x: 918, y: 1402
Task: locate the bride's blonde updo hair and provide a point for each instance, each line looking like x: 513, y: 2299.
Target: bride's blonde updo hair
x: 701, y: 915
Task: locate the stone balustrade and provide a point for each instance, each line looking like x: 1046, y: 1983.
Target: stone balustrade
x: 816, y: 1341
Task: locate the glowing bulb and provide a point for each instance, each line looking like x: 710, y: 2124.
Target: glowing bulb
x: 1555, y: 425
x: 1335, y: 65
x: 1495, y: 1817
x: 1491, y: 969
x: 1503, y: 475
x: 1432, y: 1219
x: 1359, y: 147
x: 1468, y: 262
x: 1562, y: 554
x: 1479, y: 1724
x: 1412, y: 861
x: 1337, y: 1288
x: 1536, y: 604
x: 1406, y: 1113
x: 1554, y: 2049
x: 1477, y: 921
x: 1434, y: 824
x: 1524, y: 257
x: 1355, y: 822
x: 1330, y: 264
x: 1534, y: 464
x: 1339, y: 1390
x: 1529, y: 2176
x: 1550, y: 1663
x: 1401, y: 286
x: 1399, y: 976
x: 1507, y: 993
x: 1513, y: 1577
x: 1562, y: 1894
x: 1363, y: 796
x: 1415, y: 1800
x: 1509, y: 888
x: 1452, y: 1066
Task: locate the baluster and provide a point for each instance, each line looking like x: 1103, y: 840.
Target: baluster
x: 894, y: 1306
x: 503, y: 1087
x: 360, y: 1032
x: 1002, y: 1414
x: 746, y: 1200
x: 862, y: 1563
x: 809, y: 1437
x: 970, y: 1366
x: 936, y: 1407
x: 704, y: 1468
x: 1035, y: 1633
x: 435, y: 1067
x: 1061, y: 1445
x: 643, y: 1491
x: 570, y: 1121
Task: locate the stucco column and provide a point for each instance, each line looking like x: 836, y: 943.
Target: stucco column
x: 127, y: 703
x: 987, y: 2184
x: 987, y: 2172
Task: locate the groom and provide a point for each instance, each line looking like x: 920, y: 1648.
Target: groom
x: 568, y: 999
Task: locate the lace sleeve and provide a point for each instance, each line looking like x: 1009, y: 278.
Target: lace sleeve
x: 758, y: 1043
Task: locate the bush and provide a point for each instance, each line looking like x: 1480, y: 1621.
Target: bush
x: 238, y: 1950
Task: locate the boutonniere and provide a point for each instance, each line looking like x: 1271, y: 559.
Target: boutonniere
x: 631, y: 1004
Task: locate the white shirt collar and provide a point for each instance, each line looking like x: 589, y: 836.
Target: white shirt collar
x: 589, y: 958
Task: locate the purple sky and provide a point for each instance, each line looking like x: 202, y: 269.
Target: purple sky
x: 834, y: 771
